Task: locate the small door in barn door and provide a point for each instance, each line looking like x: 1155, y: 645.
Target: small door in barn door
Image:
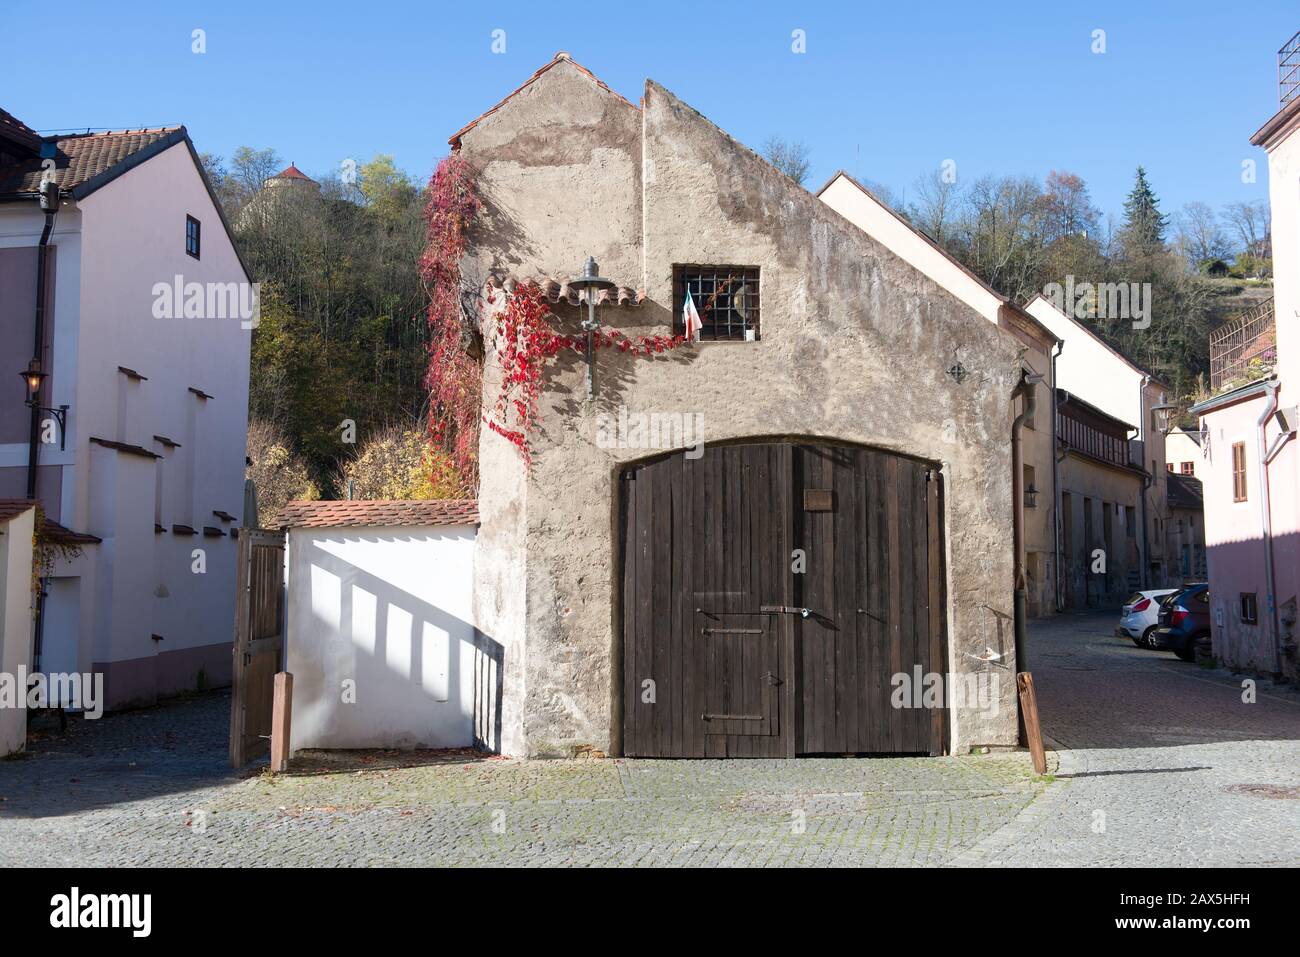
x: 739, y: 534
x: 259, y: 641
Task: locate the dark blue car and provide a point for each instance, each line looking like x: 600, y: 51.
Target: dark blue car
x: 1184, y: 620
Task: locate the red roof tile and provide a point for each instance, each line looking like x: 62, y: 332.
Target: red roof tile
x: 560, y: 57
x: 357, y: 512
x: 292, y: 172
x: 80, y: 158
x: 52, y: 531
x: 13, y: 507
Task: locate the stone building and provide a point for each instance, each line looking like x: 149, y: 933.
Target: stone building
x: 854, y: 411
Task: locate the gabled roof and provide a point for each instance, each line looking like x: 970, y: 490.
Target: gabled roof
x: 561, y: 57
x: 1109, y: 348
x: 1021, y: 316
x: 353, y: 513
x: 86, y: 162
x: 1185, y: 491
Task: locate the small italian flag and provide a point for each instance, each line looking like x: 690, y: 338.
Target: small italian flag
x: 691, y: 318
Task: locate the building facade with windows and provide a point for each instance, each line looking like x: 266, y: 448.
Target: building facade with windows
x: 848, y: 515
x: 1251, y: 475
x: 1111, y: 465
x: 123, y: 298
x: 1183, y: 453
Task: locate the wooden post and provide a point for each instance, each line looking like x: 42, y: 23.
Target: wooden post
x: 281, y: 708
x: 1029, y: 712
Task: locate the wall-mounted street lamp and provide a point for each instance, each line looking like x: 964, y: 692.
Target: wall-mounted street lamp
x: 33, y: 376
x: 592, y: 282
x: 1031, y: 496
x: 1162, y: 417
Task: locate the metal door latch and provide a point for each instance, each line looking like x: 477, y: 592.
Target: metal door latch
x: 785, y: 610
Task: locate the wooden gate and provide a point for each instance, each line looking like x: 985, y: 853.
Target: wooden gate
x: 771, y: 592
x: 259, y: 641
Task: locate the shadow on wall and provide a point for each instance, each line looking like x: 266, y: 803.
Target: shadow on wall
x: 1237, y: 588
x: 376, y: 665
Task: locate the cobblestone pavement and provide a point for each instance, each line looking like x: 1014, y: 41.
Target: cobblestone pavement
x: 1149, y: 741
x: 1162, y: 763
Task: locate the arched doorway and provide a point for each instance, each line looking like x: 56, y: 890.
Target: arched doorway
x: 771, y: 591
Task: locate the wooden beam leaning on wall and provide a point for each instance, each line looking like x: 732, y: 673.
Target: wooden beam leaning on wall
x: 1029, y: 715
x: 281, y: 709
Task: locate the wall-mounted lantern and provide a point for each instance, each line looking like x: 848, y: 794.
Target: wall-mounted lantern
x: 1162, y: 417
x: 1031, y: 496
x: 33, y: 377
x: 592, y: 282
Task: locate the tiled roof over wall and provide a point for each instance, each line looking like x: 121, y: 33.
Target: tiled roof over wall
x: 355, y: 513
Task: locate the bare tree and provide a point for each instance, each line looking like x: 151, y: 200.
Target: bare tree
x: 1199, y: 234
x: 1250, y: 221
x: 790, y: 158
x: 936, y: 209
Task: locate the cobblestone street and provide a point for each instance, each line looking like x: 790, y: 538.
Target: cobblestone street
x: 1160, y: 763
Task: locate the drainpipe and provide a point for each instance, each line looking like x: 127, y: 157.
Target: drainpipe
x: 1266, y: 518
x: 1147, y: 480
x: 1026, y: 390
x: 50, y: 206
x: 1056, y: 490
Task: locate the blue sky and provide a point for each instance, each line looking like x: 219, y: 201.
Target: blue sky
x: 885, y: 90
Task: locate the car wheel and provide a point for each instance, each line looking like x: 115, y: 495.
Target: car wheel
x: 1148, y: 639
x: 1188, y: 651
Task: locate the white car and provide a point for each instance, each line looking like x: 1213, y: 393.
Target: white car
x: 1138, y: 617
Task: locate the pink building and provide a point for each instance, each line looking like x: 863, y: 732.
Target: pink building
x: 1252, y: 466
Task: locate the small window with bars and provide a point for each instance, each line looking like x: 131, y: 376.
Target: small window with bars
x: 1249, y: 608
x: 726, y: 298
x: 1239, y: 471
x: 192, y: 227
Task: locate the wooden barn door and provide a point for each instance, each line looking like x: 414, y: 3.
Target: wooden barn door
x: 770, y: 592
x: 259, y: 641
x: 869, y: 522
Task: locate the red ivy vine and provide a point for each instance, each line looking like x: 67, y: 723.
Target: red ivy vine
x: 454, y: 377
x: 525, y: 341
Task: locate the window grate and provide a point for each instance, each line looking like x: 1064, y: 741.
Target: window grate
x: 727, y: 298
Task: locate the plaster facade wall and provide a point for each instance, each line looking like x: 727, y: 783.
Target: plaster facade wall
x: 389, y: 611
x: 1099, y: 499
x: 1180, y: 447
x: 112, y: 249
x: 854, y: 345
x: 16, y: 622
x: 858, y: 206
x: 1234, y: 538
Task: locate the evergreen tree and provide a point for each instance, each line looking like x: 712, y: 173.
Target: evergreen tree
x: 1144, y: 224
